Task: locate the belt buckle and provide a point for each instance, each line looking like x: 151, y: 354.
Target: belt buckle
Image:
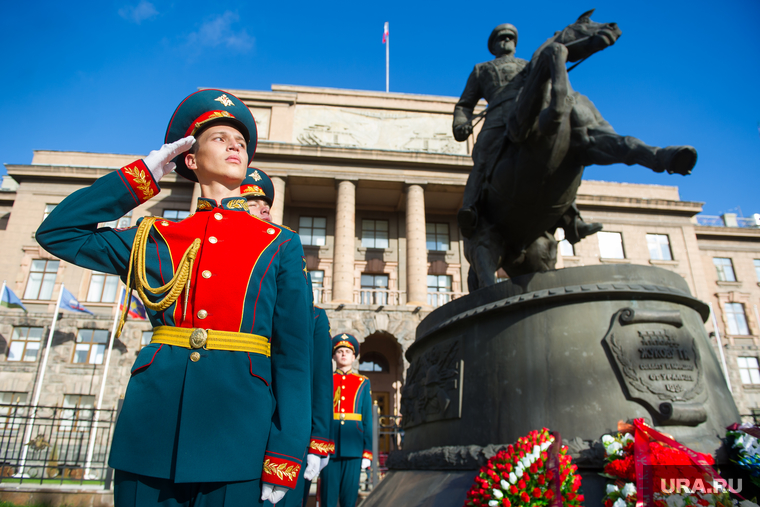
x: 198, y: 338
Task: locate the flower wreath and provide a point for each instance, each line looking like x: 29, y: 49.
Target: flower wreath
x: 745, y: 449
x: 524, y: 474
x: 666, y: 463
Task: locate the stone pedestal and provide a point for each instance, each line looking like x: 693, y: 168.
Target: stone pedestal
x: 574, y: 350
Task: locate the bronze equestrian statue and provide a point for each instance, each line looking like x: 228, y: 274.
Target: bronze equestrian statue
x: 549, y: 134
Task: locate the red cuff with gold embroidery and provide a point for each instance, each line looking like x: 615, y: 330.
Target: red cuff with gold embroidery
x: 321, y: 447
x: 280, y: 470
x: 139, y: 180
x: 367, y: 455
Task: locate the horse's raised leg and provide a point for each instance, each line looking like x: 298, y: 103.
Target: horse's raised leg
x: 551, y: 117
x: 607, y: 148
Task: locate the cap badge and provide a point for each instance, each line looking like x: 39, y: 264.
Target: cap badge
x: 256, y: 176
x: 344, y: 336
x: 225, y: 100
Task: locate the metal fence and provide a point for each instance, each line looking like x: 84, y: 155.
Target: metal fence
x: 55, y: 445
x: 387, y: 436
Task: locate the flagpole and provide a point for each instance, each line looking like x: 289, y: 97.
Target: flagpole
x: 2, y: 292
x: 38, y: 387
x: 387, y: 58
x: 93, y: 429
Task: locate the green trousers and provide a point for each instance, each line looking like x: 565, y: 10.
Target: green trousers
x: 132, y: 490
x: 340, y: 482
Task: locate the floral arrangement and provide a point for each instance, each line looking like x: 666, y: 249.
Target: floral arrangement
x: 520, y: 476
x: 746, y: 450
x: 620, y: 470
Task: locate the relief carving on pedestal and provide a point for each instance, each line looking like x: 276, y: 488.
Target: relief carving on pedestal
x: 433, y: 388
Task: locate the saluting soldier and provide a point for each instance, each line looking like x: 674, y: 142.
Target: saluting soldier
x: 258, y: 189
x: 216, y: 411
x: 351, y: 427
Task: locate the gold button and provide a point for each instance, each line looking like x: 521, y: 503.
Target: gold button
x: 343, y: 410
x: 212, y: 240
x: 218, y: 216
x: 342, y: 397
x: 164, y: 223
x: 344, y: 377
x: 343, y: 422
x: 202, y: 314
x: 206, y: 274
x: 270, y: 231
x: 195, y: 356
x: 342, y: 387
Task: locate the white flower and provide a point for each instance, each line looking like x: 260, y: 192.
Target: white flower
x: 629, y: 489
x: 536, y: 450
x: 627, y: 438
x: 675, y: 501
x: 504, y: 484
x: 614, y: 448
x: 493, y: 503
x: 611, y: 488
x: 619, y: 503
x: 547, y: 444
x: 512, y: 478
x: 607, y: 439
x: 497, y: 494
x: 519, y: 471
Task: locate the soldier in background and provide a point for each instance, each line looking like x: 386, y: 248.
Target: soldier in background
x: 351, y: 427
x: 258, y: 189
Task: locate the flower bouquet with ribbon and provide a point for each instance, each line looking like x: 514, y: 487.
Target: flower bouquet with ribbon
x: 534, y: 471
x: 648, y: 468
x: 745, y: 448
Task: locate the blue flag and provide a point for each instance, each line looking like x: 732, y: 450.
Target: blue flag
x: 10, y: 300
x: 69, y: 302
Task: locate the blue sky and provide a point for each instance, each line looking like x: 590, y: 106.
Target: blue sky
x: 105, y: 76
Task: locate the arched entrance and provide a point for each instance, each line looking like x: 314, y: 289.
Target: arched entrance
x: 381, y: 361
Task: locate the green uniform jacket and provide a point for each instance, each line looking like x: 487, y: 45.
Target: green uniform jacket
x: 352, y: 416
x: 229, y: 416
x: 321, y: 404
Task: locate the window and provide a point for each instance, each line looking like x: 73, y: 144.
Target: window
x: 122, y: 223
x: 103, y: 288
x: 374, y: 362
x: 312, y: 230
x: 176, y: 214
x: 145, y: 339
x: 725, y: 269
x: 611, y: 245
x: 25, y: 344
x: 566, y: 248
x: 41, y: 279
x: 375, y: 233
x: 737, y: 322
x: 77, y: 412
x: 91, y: 344
x: 11, y: 415
x: 374, y: 289
x: 48, y: 209
x: 437, y: 236
x: 749, y: 370
x: 438, y: 287
x: 317, y: 283
x: 757, y: 268
x: 659, y: 247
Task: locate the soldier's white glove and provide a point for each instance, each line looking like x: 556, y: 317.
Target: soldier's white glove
x: 159, y: 161
x: 312, y: 467
x: 366, y: 463
x: 272, y: 493
x: 323, y: 462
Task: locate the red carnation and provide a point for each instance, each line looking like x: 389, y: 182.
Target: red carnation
x: 534, y: 468
x: 513, y: 490
x: 524, y: 497
x: 580, y: 498
x: 541, y: 480
x: 521, y: 484
x: 506, y: 502
x: 549, y: 475
x: 549, y: 494
x: 608, y: 502
x: 536, y: 493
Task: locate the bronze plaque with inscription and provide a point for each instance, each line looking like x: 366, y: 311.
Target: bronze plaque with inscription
x: 657, y: 358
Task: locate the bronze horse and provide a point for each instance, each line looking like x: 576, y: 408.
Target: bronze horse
x: 553, y: 133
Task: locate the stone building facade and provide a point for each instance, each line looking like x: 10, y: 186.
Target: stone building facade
x: 372, y: 182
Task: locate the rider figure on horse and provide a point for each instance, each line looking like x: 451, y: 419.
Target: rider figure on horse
x: 498, y: 81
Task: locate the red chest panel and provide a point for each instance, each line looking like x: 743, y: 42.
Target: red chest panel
x: 345, y: 390
x: 232, y: 243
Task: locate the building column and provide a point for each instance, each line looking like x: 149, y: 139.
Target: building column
x: 278, y: 206
x: 416, y: 251
x: 345, y: 230
x: 194, y: 198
